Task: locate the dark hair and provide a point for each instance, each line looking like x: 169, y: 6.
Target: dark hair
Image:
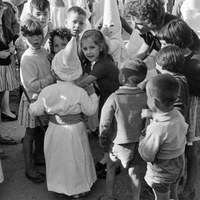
x: 171, y: 58
x: 59, y: 32
x: 31, y: 27
x: 98, y: 39
x: 76, y: 9
x: 151, y: 11
x: 176, y: 32
x: 134, y: 69
x: 164, y: 87
x: 41, y: 5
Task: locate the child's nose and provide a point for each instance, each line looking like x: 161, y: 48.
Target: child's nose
x: 77, y: 25
x: 42, y: 16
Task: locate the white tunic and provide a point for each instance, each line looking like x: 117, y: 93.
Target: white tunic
x: 69, y: 164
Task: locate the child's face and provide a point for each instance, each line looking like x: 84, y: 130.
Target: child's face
x: 140, y: 25
x: 34, y: 41
x: 75, y: 23
x: 59, y: 44
x: 42, y: 16
x: 159, y: 69
x: 90, y: 50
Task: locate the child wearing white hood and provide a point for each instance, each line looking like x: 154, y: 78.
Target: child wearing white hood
x: 69, y: 164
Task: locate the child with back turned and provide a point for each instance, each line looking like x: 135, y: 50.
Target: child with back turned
x: 69, y: 164
x: 170, y: 60
x: 121, y: 126
x: 35, y: 74
x: 163, y: 145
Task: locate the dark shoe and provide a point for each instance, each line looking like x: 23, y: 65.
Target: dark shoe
x: 35, y: 176
x: 2, y: 154
x: 101, y: 174
x: 100, y: 167
x: 95, y: 133
x: 81, y: 195
x: 7, y: 141
x: 39, y: 162
x: 7, y: 118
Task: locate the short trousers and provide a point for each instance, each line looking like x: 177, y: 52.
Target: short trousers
x: 161, y: 174
x: 126, y: 153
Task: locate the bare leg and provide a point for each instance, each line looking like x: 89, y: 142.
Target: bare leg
x: 192, y: 171
x: 110, y: 177
x: 135, y: 181
x: 28, y: 148
x: 39, y: 147
x: 161, y: 196
x: 192, y: 166
x: 6, y: 105
x: 174, y: 191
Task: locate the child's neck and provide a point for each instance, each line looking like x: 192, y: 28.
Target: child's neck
x: 164, y: 109
x: 34, y: 49
x: 131, y: 85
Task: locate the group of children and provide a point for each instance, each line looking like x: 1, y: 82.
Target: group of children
x: 140, y: 128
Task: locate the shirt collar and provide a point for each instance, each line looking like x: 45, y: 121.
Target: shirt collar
x: 162, y: 117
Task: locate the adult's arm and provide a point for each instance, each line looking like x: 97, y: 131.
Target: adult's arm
x: 143, y: 51
x: 126, y: 26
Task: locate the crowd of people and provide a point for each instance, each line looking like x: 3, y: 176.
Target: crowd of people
x: 76, y: 76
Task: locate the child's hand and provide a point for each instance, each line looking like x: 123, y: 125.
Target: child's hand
x: 11, y: 47
x: 146, y: 113
x: 50, y: 57
x: 54, y: 75
x: 89, y: 89
x: 103, y: 141
x: 105, y: 31
x: 58, y: 3
x: 4, y: 54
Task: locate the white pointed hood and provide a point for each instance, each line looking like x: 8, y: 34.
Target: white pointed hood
x: 111, y: 14
x: 66, y: 63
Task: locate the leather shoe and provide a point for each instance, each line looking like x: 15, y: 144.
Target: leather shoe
x: 7, y: 141
x: 6, y: 118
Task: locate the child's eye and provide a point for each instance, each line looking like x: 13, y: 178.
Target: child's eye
x: 38, y: 14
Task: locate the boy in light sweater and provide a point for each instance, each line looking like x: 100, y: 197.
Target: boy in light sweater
x: 163, y: 145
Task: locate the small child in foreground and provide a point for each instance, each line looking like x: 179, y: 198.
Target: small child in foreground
x: 70, y: 168
x: 163, y: 145
x: 121, y: 126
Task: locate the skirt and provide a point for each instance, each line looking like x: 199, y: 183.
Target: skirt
x: 69, y: 163
x: 194, y: 119
x: 25, y: 119
x: 9, y: 80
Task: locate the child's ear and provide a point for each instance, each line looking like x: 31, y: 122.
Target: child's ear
x: 101, y: 47
x: 157, y: 103
x: 66, y: 23
x: 122, y: 78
